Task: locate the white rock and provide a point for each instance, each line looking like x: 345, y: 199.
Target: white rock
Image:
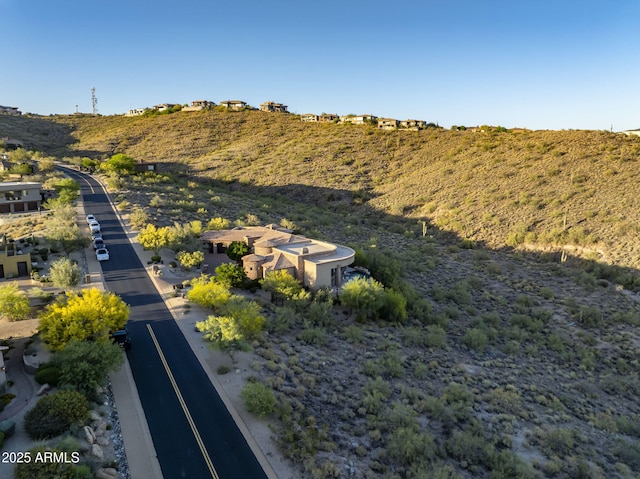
x: 89, y: 435
x: 96, y: 451
x: 43, y: 389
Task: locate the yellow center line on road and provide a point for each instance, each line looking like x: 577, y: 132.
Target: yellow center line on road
x: 192, y: 424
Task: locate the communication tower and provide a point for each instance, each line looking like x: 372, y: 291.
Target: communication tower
x: 94, y: 101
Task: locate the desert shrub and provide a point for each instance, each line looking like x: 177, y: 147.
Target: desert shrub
x: 49, y: 375
x: 353, y: 334
x: 469, y: 447
x: 317, y: 336
x: 55, y: 414
x: 284, y: 320
x: 475, y: 339
x: 319, y: 314
x: 507, y: 465
x: 258, y: 399
x: 408, y: 446
x: 436, y: 337
x: 590, y: 316
x: 558, y: 441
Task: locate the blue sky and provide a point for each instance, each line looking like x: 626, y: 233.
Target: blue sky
x: 544, y: 64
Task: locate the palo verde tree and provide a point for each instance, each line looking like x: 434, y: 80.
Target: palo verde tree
x: 65, y: 273
x: 208, y: 293
x: 119, y: 164
x: 240, y: 320
x: 89, y: 314
x: 154, y: 238
x: 365, y: 295
x: 281, y: 283
x: 14, y: 303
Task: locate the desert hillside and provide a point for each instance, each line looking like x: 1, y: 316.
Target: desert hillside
x: 518, y: 358
x: 541, y: 190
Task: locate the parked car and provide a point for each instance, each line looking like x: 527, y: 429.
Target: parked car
x: 121, y: 338
x: 102, y: 254
x: 98, y: 243
x: 91, y: 218
x: 96, y: 236
x: 94, y: 226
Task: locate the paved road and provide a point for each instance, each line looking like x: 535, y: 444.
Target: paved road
x: 194, y: 435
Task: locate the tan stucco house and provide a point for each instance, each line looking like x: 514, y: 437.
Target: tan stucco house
x: 273, y: 107
x: 316, y: 264
x: 13, y: 264
x: 233, y: 104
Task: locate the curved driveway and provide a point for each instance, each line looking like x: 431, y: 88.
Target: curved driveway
x: 194, y: 435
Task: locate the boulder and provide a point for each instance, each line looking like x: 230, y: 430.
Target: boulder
x: 94, y: 415
x: 106, y: 473
x: 102, y: 441
x: 96, y: 451
x: 100, y: 428
x: 89, y: 435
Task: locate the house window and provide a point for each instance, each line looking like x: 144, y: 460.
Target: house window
x: 333, y: 276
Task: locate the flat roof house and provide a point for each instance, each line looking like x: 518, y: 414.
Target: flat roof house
x: 413, y: 124
x: 387, y: 124
x: 135, y: 112
x: 9, y: 110
x: 309, y: 118
x: 234, y: 104
x: 19, y: 197
x: 273, y: 107
x: 358, y: 119
x: 198, y: 105
x: 316, y: 264
x: 328, y: 117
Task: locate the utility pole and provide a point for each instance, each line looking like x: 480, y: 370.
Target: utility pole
x: 94, y: 101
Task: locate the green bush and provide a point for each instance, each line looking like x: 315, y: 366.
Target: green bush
x: 475, y: 339
x: 258, y: 399
x: 49, y: 375
x: 55, y: 414
x: 1, y: 439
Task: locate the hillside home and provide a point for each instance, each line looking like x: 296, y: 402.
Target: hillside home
x: 632, y: 132
x: 13, y: 263
x: 358, y: 119
x: 135, y: 112
x: 164, y: 106
x: 328, y: 117
x: 11, y: 144
x: 413, y: 124
x: 310, y: 118
x: 316, y: 264
x: 198, y: 105
x: 9, y: 110
x: 273, y: 107
x: 234, y: 104
x: 387, y: 124
x: 19, y: 197
x: 4, y: 164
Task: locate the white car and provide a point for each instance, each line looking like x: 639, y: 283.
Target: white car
x: 102, y: 254
x: 94, y: 226
x: 91, y: 218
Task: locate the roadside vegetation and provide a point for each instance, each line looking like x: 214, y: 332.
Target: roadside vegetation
x: 499, y: 335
